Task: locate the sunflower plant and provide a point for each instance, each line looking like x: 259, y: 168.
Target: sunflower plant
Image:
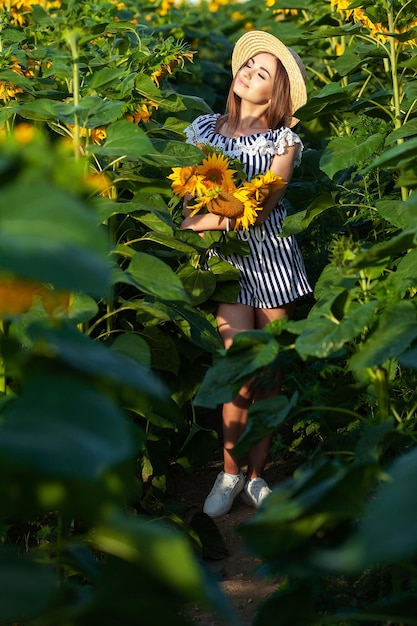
x: 219, y: 185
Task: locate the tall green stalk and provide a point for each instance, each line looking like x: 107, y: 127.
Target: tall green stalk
x: 396, y: 87
x: 72, y: 37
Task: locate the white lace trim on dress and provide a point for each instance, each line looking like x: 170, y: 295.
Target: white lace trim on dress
x: 282, y: 138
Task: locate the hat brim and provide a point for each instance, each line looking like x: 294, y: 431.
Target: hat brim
x: 256, y: 41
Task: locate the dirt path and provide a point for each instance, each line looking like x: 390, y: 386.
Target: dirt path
x: 237, y: 571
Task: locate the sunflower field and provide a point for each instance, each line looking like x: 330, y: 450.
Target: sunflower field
x: 111, y: 366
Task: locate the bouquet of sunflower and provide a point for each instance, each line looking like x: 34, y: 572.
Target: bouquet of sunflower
x: 218, y: 185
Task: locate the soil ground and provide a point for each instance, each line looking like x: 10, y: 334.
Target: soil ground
x: 237, y: 571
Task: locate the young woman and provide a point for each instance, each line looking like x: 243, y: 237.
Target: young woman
x: 268, y: 87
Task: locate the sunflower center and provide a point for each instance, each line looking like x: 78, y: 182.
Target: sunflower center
x: 227, y: 205
x: 214, y: 175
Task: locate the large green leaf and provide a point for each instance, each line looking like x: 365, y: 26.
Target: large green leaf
x: 92, y: 111
x: 327, y: 100
x: 163, y: 557
x: 154, y: 277
x: 198, y: 283
x: 398, y: 156
x: 400, y: 214
x: 196, y: 326
x: 298, y: 222
x: 124, y: 139
x: 264, y: 417
x: 393, y: 247
x: 323, y: 336
x: 251, y: 351
x: 26, y: 587
x: 95, y: 359
x: 343, y: 152
x: 387, y: 532
x: 51, y: 236
x: 316, y: 498
x: 63, y: 428
x: 396, y: 329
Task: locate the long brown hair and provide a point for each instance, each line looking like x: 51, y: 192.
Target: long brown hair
x: 280, y: 109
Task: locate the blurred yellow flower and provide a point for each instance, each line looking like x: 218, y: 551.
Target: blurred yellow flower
x: 24, y: 132
x: 18, y: 8
x: 17, y: 296
x: 99, y: 182
x: 166, y: 6
x: 8, y: 91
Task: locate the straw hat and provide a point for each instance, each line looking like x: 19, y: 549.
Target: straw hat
x: 256, y: 41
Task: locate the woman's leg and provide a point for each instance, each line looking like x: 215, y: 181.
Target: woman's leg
x: 258, y: 455
x: 231, y: 319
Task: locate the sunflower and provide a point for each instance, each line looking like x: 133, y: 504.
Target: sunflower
x: 215, y: 173
x: 184, y: 180
x: 212, y: 185
x: 264, y: 185
x: 250, y: 209
x: 238, y: 205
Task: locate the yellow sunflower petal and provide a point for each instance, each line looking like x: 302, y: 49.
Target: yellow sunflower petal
x: 215, y: 172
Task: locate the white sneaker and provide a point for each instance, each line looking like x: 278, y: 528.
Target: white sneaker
x: 224, y: 491
x: 255, y: 492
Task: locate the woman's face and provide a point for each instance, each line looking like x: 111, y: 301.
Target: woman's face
x: 255, y: 79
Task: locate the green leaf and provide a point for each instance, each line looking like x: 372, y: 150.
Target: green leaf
x: 67, y: 440
x: 393, y: 247
x: 197, y: 327
x: 387, y: 532
x: 134, y: 347
x: 343, y: 152
x: 398, y: 156
x: 154, y: 277
x: 348, y: 62
x: 167, y: 554
x: 295, y: 512
x: 396, y: 329
x: 264, y: 417
x: 95, y: 359
x: 52, y: 237
x: 180, y: 242
x: 298, y: 222
x: 176, y: 153
x: 105, y: 76
x: 400, y: 214
x: 92, y: 111
x: 198, y: 283
x: 409, y: 129
x: 41, y: 109
x: 26, y: 589
x: 124, y: 139
x: 199, y: 448
x: 327, y: 100
x: 164, y: 355
x: 404, y: 278
x: 250, y: 351
x: 324, y: 337
x: 147, y: 88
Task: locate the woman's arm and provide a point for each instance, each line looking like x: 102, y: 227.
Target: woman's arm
x: 206, y: 221
x: 282, y: 165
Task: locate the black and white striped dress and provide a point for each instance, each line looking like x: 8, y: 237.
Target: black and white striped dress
x: 273, y: 274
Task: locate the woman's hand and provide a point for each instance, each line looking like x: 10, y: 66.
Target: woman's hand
x: 186, y: 210
x: 208, y: 221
